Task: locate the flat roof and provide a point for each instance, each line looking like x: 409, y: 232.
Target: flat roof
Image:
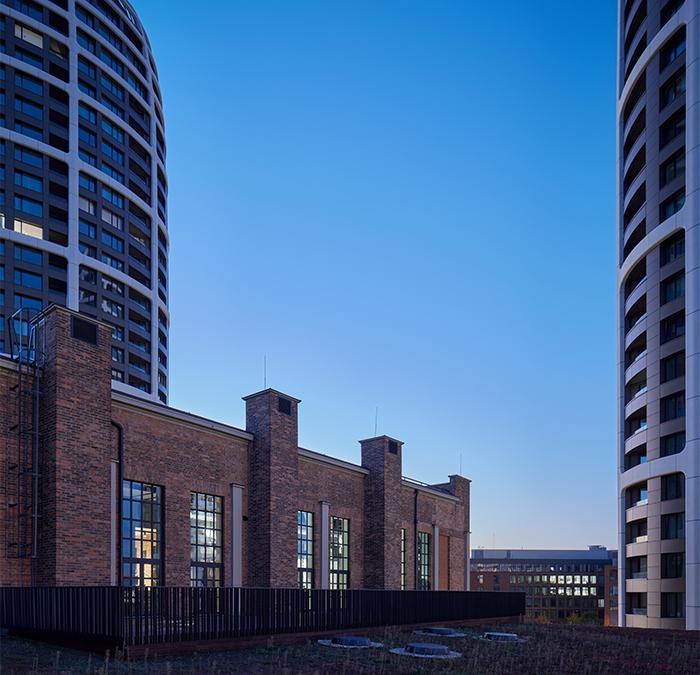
x: 502, y: 554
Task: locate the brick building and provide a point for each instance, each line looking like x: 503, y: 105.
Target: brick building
x: 100, y: 487
x: 557, y: 583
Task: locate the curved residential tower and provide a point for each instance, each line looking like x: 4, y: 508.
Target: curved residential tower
x: 659, y: 313
x: 84, y: 188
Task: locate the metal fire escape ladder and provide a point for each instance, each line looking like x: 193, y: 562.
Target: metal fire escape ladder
x: 22, y: 470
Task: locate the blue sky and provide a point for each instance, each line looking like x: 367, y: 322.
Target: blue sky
x: 407, y: 205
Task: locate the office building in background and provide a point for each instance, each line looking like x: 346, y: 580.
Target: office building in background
x: 558, y: 584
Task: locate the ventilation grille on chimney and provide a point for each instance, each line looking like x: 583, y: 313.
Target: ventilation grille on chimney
x: 284, y: 405
x: 83, y: 330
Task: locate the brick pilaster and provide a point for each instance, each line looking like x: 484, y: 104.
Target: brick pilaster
x: 75, y: 452
x: 382, y: 512
x: 274, y: 465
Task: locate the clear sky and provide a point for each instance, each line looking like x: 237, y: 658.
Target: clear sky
x: 410, y: 205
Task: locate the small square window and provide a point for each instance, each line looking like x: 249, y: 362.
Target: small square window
x: 393, y: 447
x: 84, y: 330
x: 284, y: 405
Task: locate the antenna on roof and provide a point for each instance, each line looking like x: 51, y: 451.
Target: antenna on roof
x: 376, y: 419
x: 460, y: 462
x: 265, y: 371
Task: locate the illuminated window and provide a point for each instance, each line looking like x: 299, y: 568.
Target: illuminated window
x: 113, y: 219
x: 28, y: 35
x: 403, y: 562
x: 305, y: 549
x: 423, y: 561
x: 339, y: 553
x: 86, y: 205
x: 142, y: 534
x: 206, y: 540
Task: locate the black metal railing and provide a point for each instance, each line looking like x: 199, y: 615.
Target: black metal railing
x: 142, y: 616
x: 93, y: 614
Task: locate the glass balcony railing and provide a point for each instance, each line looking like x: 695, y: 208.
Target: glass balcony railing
x: 635, y: 287
x: 637, y: 321
x: 639, y: 611
x: 642, y: 427
x: 638, y: 575
x: 639, y: 356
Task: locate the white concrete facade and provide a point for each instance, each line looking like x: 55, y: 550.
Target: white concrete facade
x: 646, y: 404
x: 71, y: 253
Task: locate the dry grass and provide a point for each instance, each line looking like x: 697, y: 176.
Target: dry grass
x: 550, y: 649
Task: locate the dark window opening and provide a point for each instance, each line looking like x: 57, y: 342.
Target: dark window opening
x: 84, y: 330
x: 284, y: 405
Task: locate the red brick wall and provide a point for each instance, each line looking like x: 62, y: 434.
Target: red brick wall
x: 274, y: 461
x: 79, y: 445
x: 382, y: 516
x: 13, y: 571
x: 76, y: 449
x: 452, y: 519
x: 184, y: 458
x: 343, y: 490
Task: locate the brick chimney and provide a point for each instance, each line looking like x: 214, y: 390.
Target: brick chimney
x: 460, y: 487
x: 75, y: 452
x: 381, y: 456
x: 273, y: 464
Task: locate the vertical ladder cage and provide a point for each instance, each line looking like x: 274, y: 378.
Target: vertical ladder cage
x: 27, y: 348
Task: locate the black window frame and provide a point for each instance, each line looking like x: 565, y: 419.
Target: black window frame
x: 673, y: 247
x: 673, y: 526
x: 672, y: 486
x: 672, y: 605
x: 305, y: 549
x: 673, y: 406
x: 403, y: 558
x: 206, y: 566
x: 673, y: 366
x: 133, y: 576
x: 673, y: 287
x: 339, y: 553
x: 673, y: 565
x: 672, y: 327
x: 675, y: 442
x: 423, y: 561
